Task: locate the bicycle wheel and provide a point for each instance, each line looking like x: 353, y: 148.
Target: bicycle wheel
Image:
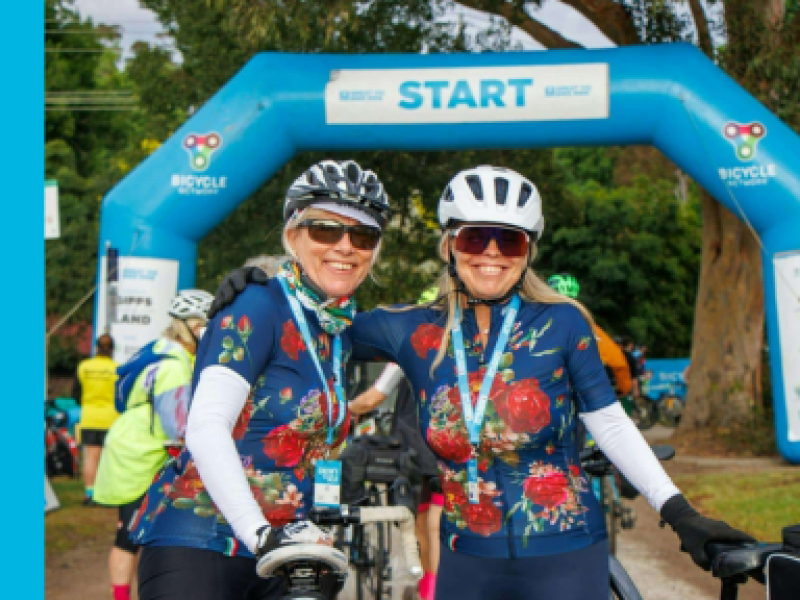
x: 610, y: 511
x: 367, y: 559
x: 643, y: 413
x: 670, y: 409
x: 621, y: 585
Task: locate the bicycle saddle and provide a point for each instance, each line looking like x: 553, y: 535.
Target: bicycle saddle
x: 729, y: 561
x: 283, y: 561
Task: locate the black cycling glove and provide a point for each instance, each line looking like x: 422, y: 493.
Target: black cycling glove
x: 695, y: 530
x: 233, y: 284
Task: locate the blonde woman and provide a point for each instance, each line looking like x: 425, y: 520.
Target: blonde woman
x: 267, y: 403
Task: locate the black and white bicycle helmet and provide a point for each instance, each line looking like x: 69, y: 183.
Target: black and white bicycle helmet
x: 191, y: 304
x: 341, y: 182
x: 487, y: 194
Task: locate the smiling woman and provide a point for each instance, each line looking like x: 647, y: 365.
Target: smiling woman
x: 268, y: 403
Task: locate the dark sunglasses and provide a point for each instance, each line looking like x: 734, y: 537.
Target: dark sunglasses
x: 363, y: 237
x: 473, y: 239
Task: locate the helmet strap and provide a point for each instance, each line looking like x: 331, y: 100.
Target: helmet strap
x: 471, y: 300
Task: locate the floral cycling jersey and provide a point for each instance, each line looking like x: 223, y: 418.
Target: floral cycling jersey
x: 534, y: 498
x: 279, y: 435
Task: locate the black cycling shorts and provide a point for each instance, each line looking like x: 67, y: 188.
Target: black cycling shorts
x: 126, y: 514
x: 179, y: 573
x: 93, y: 437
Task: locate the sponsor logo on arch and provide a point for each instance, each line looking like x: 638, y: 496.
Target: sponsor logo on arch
x: 467, y: 95
x: 744, y: 138
x: 200, y: 149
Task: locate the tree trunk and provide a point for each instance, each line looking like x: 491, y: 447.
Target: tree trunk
x: 725, y: 375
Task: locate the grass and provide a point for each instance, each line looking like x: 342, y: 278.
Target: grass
x: 74, y: 525
x: 760, y: 503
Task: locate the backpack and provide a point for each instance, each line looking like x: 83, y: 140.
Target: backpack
x: 130, y: 371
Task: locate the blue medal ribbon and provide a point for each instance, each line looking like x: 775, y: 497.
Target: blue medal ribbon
x: 300, y: 320
x: 473, y: 419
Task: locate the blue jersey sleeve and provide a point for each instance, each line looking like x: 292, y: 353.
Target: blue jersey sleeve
x: 586, y: 372
x: 377, y: 335
x: 242, y: 336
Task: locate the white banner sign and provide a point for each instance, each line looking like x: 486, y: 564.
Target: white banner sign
x: 50, y: 498
x: 467, y: 95
x: 52, y: 227
x: 145, y: 289
x: 787, y: 290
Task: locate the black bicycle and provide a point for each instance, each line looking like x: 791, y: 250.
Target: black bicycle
x: 777, y: 565
x: 597, y: 466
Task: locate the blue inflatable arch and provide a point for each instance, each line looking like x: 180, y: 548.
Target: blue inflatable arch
x: 669, y: 96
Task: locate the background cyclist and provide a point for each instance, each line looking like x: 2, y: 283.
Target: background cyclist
x: 267, y: 403
x: 155, y: 413
x: 94, y: 392
x: 611, y: 353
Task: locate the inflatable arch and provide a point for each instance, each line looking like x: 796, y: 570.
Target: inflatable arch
x: 668, y: 96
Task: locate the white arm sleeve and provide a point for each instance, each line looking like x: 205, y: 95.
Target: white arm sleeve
x: 218, y: 400
x: 620, y: 440
x: 389, y: 379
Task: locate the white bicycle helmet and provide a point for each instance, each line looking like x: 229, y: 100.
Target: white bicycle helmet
x: 489, y: 194
x: 341, y: 182
x: 191, y: 304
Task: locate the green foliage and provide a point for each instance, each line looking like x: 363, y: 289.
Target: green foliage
x: 635, y: 252
x: 81, y: 149
x: 633, y: 248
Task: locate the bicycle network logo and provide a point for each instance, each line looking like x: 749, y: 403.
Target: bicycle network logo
x: 744, y: 138
x: 200, y: 148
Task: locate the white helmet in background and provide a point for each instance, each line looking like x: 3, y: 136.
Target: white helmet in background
x: 191, y: 304
x: 487, y: 194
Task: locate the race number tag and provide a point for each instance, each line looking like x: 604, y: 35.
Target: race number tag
x: 472, y: 481
x: 327, y: 483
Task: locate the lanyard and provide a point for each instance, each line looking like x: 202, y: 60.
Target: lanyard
x: 300, y: 319
x: 474, y: 418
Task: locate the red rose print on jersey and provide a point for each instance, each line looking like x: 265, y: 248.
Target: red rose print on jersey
x: 427, y: 337
x: 279, y: 515
x: 450, y: 444
x: 454, y: 495
x: 484, y: 518
x: 291, y: 340
x: 475, y: 380
x: 244, y: 419
x: 549, y: 489
x: 284, y: 446
x: 524, y: 406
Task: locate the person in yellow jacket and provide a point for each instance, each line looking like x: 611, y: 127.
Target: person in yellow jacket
x: 155, y: 417
x: 94, y: 392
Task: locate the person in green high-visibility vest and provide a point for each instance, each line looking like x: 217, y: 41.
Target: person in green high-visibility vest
x: 155, y: 418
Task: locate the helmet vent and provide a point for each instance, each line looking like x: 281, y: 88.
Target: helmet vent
x: 500, y: 190
x: 448, y: 195
x: 353, y: 173
x: 524, y: 194
x: 474, y: 183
